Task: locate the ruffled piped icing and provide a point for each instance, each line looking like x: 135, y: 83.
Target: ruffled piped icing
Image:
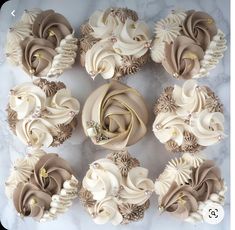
x: 43, y: 43
x: 188, y: 44
x: 188, y: 118
x: 40, y: 203
x: 116, y: 189
x: 114, y: 43
x: 200, y: 184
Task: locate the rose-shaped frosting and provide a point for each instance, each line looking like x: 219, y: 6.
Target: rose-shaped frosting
x: 206, y: 179
x: 137, y: 188
x: 62, y: 107
x: 132, y: 39
x: 27, y: 99
x: 51, y: 26
x: 29, y: 200
x: 179, y: 200
x: 189, y: 98
x: 106, y: 211
x: 119, y: 114
x: 35, y: 132
x: 182, y: 57
x: 207, y: 127
x: 199, y: 26
x: 102, y: 59
x: 50, y: 173
x: 102, y: 179
x: 169, y: 126
x: 103, y: 23
x: 37, y: 56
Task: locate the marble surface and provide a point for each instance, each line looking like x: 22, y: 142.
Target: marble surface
x: 79, y: 150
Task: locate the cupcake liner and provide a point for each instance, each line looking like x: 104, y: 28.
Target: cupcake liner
x: 187, y: 185
x: 114, y: 43
x: 188, y: 118
x: 42, y: 43
x: 42, y: 113
x: 42, y: 193
x: 188, y: 44
x: 116, y: 189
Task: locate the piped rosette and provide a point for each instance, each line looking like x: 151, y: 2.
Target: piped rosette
x: 114, y: 43
x: 116, y: 189
x: 43, y: 43
x: 188, y: 185
x: 42, y: 113
x: 188, y: 44
x: 41, y: 186
x: 188, y: 118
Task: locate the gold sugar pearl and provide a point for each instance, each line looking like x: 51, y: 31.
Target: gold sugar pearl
x: 210, y: 21
x: 51, y: 33
x: 43, y: 173
x: 32, y: 202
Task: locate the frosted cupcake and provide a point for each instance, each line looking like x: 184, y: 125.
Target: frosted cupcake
x: 188, y: 118
x: 114, y: 43
x: 116, y: 189
x: 115, y: 116
x: 42, y: 43
x: 188, y: 186
x: 188, y: 44
x: 41, y: 186
x: 42, y: 113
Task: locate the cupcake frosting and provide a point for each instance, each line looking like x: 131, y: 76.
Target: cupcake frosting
x: 42, y: 113
x: 115, y: 116
x: 42, y: 43
x: 102, y: 179
x: 188, y: 44
x: 188, y: 118
x: 185, y: 199
x: 116, y: 189
x: 114, y: 43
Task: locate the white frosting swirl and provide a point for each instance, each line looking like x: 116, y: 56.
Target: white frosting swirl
x: 103, y: 179
x: 102, y: 59
x: 169, y: 126
x: 132, y: 39
x: 137, y: 188
x: 27, y: 99
x: 30, y: 15
x: 13, y: 52
x: 62, y: 107
x: 103, y: 23
x: 189, y: 98
x: 106, y: 211
x: 208, y: 127
x: 35, y: 132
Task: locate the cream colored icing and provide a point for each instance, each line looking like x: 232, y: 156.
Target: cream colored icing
x: 30, y: 15
x: 158, y: 50
x: 27, y: 99
x: 137, y: 188
x: 102, y: 59
x: 103, y: 179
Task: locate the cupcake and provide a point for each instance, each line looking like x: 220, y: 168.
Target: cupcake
x: 115, y: 116
x: 188, y: 186
x: 42, y: 43
x: 188, y: 118
x: 188, y: 44
x: 116, y: 189
x: 41, y: 186
x: 42, y: 113
x: 114, y: 43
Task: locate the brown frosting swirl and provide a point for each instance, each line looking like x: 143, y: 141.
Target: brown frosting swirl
x: 50, y: 173
x: 51, y: 26
x: 117, y: 115
x: 29, y: 200
x: 206, y: 179
x: 182, y: 57
x: 179, y: 200
x: 37, y: 56
x: 199, y: 26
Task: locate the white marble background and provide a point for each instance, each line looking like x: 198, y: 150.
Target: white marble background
x: 78, y: 150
